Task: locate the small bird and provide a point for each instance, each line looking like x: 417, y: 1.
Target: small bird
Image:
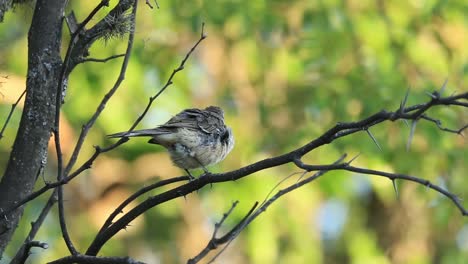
x: 195, y: 138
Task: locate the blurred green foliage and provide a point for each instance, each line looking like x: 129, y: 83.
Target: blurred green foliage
x: 284, y: 71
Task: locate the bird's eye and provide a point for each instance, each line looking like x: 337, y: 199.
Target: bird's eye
x: 225, y: 136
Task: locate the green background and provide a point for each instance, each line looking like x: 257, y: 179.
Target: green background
x: 284, y: 72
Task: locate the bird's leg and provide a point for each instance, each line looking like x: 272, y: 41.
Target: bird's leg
x: 191, y: 178
x: 206, y: 171
x: 203, y: 166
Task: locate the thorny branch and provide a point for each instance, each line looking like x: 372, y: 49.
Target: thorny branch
x: 339, y: 130
x: 390, y: 176
x: 320, y: 170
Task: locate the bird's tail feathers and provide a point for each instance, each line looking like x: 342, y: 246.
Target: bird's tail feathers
x: 138, y: 133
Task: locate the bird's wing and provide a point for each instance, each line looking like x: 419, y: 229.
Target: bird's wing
x: 207, y: 120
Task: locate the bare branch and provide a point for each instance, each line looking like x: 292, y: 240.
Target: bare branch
x: 95, y: 260
x: 391, y: 176
x: 101, y: 60
x: 23, y: 253
x: 63, y: 223
x: 229, y: 236
x: 137, y: 194
x: 439, y: 125
x: 13, y: 106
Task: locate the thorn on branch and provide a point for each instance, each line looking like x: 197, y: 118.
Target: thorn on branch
x: 406, y: 122
x: 411, y: 135
x: 395, y: 187
x: 442, y: 89
x: 403, y: 102
x: 202, y: 34
x: 373, y: 138
x: 353, y: 159
x: 434, y: 95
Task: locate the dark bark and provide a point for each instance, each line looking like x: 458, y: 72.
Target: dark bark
x: 37, y: 121
x: 6, y: 5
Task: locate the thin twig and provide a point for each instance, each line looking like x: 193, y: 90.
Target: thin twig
x: 101, y: 60
x: 13, y: 106
x: 23, y: 253
x: 63, y: 223
x: 439, y: 125
x: 216, y: 242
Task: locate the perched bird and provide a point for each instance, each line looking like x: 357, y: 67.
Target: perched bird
x: 195, y: 138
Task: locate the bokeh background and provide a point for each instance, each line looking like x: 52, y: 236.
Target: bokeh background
x: 284, y: 72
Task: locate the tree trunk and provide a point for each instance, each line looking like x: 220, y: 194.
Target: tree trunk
x: 37, y: 120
